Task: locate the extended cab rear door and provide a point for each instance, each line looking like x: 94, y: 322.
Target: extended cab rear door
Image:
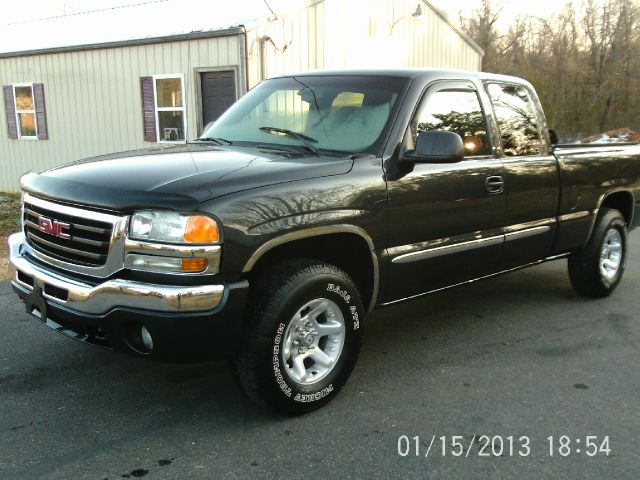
x: 532, y: 182
x: 445, y: 220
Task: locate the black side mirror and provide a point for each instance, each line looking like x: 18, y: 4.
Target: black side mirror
x: 553, y: 137
x: 437, y: 146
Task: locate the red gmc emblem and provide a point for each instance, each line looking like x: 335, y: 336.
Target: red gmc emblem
x: 54, y: 227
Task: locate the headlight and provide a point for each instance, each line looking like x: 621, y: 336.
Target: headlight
x: 177, y: 243
x: 171, y: 227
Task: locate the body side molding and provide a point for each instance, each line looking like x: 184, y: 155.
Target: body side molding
x: 510, y: 233
x: 447, y: 249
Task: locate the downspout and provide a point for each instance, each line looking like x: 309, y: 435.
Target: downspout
x: 263, y: 57
x: 245, y: 60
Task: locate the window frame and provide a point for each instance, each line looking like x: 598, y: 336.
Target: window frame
x: 31, y: 111
x: 183, y: 109
x: 454, y: 85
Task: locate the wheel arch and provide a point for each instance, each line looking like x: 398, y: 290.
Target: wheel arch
x: 326, y: 243
x: 621, y: 200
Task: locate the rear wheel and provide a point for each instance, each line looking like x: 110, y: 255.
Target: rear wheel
x: 597, y: 268
x: 303, y: 336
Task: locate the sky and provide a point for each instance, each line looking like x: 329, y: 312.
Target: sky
x: 33, y: 9
x: 65, y: 27
x: 107, y: 21
x: 36, y: 9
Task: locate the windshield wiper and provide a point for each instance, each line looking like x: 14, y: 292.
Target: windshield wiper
x: 304, y: 139
x: 218, y: 140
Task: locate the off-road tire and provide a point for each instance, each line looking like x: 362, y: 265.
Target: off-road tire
x: 276, y: 297
x: 585, y: 269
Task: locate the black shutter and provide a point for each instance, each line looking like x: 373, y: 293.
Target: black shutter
x: 10, y: 109
x: 148, y: 109
x: 41, y: 111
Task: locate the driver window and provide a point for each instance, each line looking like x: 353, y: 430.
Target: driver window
x: 457, y: 111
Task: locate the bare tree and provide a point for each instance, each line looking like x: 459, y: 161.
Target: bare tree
x: 481, y: 27
x: 583, y: 63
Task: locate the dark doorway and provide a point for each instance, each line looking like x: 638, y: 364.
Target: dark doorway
x: 218, y: 94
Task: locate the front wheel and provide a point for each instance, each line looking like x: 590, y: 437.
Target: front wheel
x: 302, y: 336
x: 596, y: 269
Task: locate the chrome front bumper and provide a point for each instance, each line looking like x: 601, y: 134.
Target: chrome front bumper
x: 102, y: 298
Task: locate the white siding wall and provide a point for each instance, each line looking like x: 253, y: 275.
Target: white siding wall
x: 93, y: 98
x: 357, y: 33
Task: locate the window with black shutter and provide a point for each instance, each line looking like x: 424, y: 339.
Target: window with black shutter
x: 163, y: 108
x: 26, y: 111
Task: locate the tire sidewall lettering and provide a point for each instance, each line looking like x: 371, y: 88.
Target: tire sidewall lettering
x: 314, y: 397
x: 277, y: 371
x: 346, y: 296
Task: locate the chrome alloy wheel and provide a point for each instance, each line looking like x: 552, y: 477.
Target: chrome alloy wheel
x: 611, y: 254
x: 313, y: 341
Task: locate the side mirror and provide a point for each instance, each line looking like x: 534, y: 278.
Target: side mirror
x: 437, y: 146
x: 553, y: 137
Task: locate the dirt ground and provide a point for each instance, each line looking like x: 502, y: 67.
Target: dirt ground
x: 4, y: 274
x: 9, y: 223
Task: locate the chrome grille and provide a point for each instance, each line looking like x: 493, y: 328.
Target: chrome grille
x: 89, y: 240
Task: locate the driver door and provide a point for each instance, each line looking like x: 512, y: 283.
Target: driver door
x: 445, y: 220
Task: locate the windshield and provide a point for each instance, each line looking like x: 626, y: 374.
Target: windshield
x: 346, y: 114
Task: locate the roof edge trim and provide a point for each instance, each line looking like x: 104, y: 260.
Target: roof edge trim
x: 445, y: 18
x: 128, y: 43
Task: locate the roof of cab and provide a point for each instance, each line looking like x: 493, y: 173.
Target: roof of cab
x: 423, y: 73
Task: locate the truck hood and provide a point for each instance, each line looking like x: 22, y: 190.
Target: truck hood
x: 176, y: 177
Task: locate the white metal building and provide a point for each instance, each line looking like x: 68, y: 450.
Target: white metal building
x: 112, y: 80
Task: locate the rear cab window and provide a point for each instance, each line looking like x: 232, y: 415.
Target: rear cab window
x: 517, y: 119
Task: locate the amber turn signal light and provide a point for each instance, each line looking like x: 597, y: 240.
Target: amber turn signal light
x: 193, y: 264
x: 201, y: 229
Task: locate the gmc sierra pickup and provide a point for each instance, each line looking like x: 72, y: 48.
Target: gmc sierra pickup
x: 314, y: 199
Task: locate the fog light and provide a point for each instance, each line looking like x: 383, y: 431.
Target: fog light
x: 147, y: 340
x: 153, y: 263
x: 193, y: 264
x: 159, y: 264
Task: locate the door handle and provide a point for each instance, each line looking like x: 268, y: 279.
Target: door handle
x: 494, y: 184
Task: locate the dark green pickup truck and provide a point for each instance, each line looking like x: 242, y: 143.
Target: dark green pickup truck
x: 314, y: 199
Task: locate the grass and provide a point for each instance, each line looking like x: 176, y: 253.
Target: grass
x: 9, y: 213
x: 9, y: 223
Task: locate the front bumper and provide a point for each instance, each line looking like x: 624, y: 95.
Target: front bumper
x: 186, y: 322
x: 102, y: 298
